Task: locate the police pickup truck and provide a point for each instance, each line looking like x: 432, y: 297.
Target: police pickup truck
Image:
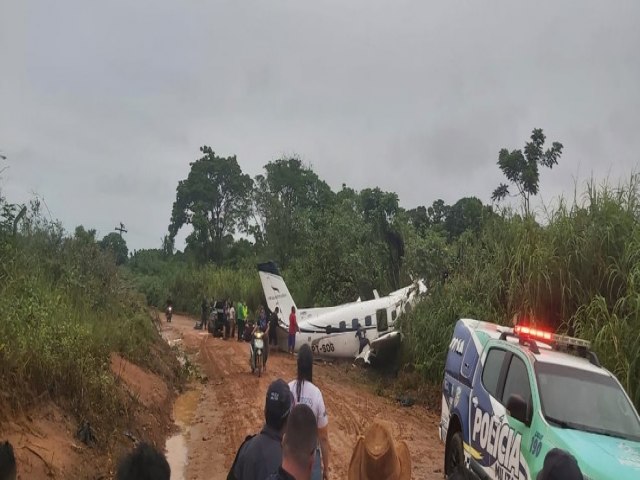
x: 510, y: 395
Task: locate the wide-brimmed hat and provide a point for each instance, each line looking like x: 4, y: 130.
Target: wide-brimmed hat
x: 377, y: 456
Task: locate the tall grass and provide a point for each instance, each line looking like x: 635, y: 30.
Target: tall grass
x: 578, y: 273
x: 186, y: 284
x: 64, y: 308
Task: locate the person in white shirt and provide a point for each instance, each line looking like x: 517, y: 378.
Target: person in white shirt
x: 304, y: 391
x: 232, y: 320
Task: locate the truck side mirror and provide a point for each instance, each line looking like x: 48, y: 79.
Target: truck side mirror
x: 517, y: 408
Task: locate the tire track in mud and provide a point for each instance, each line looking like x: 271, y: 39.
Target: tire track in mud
x: 231, y: 407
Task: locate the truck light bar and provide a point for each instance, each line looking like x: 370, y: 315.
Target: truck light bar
x: 535, y: 333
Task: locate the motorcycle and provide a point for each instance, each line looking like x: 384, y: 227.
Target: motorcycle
x: 168, y: 313
x: 256, y: 352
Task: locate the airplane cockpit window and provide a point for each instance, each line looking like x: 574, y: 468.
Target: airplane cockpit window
x: 354, y: 323
x: 343, y: 326
x: 367, y: 321
x: 381, y: 319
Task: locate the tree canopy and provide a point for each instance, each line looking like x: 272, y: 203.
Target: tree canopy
x: 215, y: 200
x: 522, y: 169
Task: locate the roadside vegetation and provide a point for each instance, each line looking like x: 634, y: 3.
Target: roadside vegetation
x: 65, y: 309
x: 571, y: 267
x: 70, y: 300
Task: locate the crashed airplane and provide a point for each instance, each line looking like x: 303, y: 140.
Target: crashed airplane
x: 331, y: 331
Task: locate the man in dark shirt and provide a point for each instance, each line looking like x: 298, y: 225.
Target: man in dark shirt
x: 273, y: 327
x: 298, y: 445
x: 362, y: 338
x: 261, y: 455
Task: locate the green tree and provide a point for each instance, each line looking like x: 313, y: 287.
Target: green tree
x: 522, y: 169
x: 287, y: 200
x: 117, y: 245
x: 215, y: 200
x: 381, y: 210
x: 468, y: 213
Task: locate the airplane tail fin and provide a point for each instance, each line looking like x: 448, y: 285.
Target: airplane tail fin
x: 275, y: 290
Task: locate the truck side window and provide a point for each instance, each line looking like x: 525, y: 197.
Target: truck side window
x: 517, y: 381
x: 491, y: 371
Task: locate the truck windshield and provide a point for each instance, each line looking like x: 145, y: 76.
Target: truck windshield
x: 588, y: 401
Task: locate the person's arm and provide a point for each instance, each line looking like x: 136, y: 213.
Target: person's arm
x: 323, y: 435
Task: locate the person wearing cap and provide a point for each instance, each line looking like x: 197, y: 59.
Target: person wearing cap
x: 560, y: 465
x: 304, y: 391
x: 261, y: 455
x: 298, y: 445
x: 377, y: 455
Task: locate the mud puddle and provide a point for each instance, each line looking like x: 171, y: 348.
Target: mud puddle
x: 184, y: 410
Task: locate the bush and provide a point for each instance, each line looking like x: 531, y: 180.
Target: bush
x: 65, y: 308
x: 578, y: 273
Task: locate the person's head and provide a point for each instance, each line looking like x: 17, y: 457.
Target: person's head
x: 278, y: 404
x: 293, y: 309
x: 305, y: 363
x: 144, y: 463
x: 8, y: 470
x: 378, y: 455
x: 560, y: 465
x: 299, y: 442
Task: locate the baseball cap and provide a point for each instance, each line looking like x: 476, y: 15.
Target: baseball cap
x: 560, y: 465
x: 278, y: 403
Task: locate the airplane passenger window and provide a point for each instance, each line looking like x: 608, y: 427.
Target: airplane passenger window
x: 354, y: 323
x: 381, y: 319
x: 343, y: 326
x: 393, y: 315
x: 367, y: 321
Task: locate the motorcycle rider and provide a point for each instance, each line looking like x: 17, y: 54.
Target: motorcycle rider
x: 263, y: 325
x: 169, y: 310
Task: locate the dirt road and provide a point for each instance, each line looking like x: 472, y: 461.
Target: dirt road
x: 229, y: 405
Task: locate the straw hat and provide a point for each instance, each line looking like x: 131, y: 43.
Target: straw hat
x: 377, y: 456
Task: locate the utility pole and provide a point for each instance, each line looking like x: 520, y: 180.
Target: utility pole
x: 121, y: 229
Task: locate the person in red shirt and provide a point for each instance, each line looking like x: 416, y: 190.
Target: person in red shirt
x: 293, y: 328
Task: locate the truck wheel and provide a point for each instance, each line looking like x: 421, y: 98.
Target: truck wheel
x: 455, y: 455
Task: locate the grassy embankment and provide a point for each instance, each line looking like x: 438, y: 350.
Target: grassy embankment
x: 65, y: 309
x: 579, y: 273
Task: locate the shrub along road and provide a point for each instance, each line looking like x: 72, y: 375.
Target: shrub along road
x: 230, y: 406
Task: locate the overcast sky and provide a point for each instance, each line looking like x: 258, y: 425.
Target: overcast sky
x: 104, y: 104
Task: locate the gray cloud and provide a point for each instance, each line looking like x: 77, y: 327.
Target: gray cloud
x: 103, y: 106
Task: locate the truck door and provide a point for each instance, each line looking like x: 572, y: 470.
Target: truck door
x: 487, y: 389
x: 526, y: 442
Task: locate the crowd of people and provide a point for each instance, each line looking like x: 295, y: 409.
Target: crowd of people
x: 294, y: 442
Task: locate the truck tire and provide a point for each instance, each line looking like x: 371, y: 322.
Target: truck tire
x: 455, y: 455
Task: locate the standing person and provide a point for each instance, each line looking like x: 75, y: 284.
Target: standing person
x: 304, y: 391
x: 260, y: 455
x: 273, y: 327
x: 361, y: 334
x: 293, y: 329
x: 240, y: 316
x: 225, y: 318
x: 298, y: 445
x: 232, y: 319
x: 204, y: 313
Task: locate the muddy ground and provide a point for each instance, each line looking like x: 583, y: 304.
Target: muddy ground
x: 227, y: 405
